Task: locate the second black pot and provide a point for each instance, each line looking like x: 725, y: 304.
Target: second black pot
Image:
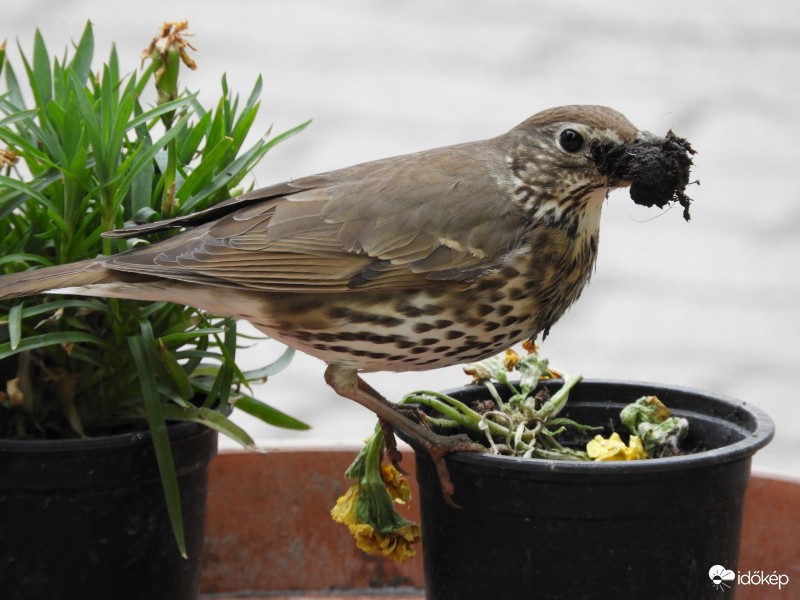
x: 86, y: 519
x: 530, y: 529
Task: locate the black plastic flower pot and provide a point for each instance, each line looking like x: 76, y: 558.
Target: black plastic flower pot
x: 528, y: 529
x: 87, y: 518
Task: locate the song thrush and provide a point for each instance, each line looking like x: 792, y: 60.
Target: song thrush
x: 408, y: 263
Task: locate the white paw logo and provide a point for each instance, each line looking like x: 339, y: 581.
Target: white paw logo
x: 719, y: 575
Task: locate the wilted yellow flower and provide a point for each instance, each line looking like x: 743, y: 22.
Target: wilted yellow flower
x: 396, y: 543
x: 478, y: 371
x: 367, y: 508
x: 531, y: 348
x: 345, y: 510
x: 396, y: 484
x: 613, y: 448
x: 510, y: 359
x: 660, y: 412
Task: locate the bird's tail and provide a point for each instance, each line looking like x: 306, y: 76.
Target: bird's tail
x: 37, y: 281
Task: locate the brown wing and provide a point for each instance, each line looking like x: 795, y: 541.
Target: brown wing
x: 401, y: 222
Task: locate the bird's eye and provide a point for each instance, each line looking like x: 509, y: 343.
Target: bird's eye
x: 570, y: 140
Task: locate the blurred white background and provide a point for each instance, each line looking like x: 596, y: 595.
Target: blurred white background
x: 712, y: 304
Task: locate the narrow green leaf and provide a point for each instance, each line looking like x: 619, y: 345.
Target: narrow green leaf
x: 287, y: 134
x: 255, y: 94
x: 59, y: 82
x: 87, y: 113
x: 217, y: 129
x: 169, y: 179
x: 185, y: 336
x: 41, y: 79
x: 189, y: 143
x: 47, y: 145
x: 229, y: 176
x: 222, y: 385
x: 26, y: 142
x: 176, y: 374
x: 147, y: 155
x: 198, y: 108
x: 9, y: 202
x: 212, y: 419
x: 273, y: 368
x: 154, y: 113
x: 83, y: 304
x: 50, y: 339
x: 81, y: 63
x: 107, y: 103
x: 240, y: 131
x: 113, y: 64
x: 27, y: 189
x: 158, y: 430
x: 56, y: 115
x: 224, y: 84
x: 205, y: 170
x: 142, y: 185
x: 15, y: 325
x: 204, y: 370
x: 23, y: 115
x: 119, y: 123
x: 141, y: 190
x: 27, y: 258
x: 268, y: 414
x: 14, y: 90
x: 236, y: 170
x: 192, y: 361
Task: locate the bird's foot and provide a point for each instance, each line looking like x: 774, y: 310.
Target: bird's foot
x: 437, y: 447
x: 347, y: 383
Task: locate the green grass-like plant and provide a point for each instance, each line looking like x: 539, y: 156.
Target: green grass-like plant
x: 81, y: 153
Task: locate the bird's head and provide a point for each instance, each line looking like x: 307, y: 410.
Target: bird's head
x: 564, y: 160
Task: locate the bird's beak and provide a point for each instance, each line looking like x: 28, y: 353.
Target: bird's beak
x: 622, y: 163
x: 647, y: 138
x: 655, y: 167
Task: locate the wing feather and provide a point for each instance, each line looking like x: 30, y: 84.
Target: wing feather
x: 409, y: 221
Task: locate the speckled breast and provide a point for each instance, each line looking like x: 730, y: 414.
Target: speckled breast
x: 443, y: 325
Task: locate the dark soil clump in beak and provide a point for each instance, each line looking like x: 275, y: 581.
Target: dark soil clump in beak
x: 658, y: 168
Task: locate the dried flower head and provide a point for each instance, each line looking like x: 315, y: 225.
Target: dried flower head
x: 367, y: 508
x: 168, y: 50
x: 510, y: 359
x: 171, y: 36
x: 397, y: 540
x: 8, y: 158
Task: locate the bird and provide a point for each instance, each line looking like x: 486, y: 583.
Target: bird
x: 414, y: 262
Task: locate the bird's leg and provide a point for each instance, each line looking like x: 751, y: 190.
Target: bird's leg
x: 346, y: 382
x: 390, y: 444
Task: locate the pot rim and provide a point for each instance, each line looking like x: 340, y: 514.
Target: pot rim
x: 753, y: 424
x: 177, y: 430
